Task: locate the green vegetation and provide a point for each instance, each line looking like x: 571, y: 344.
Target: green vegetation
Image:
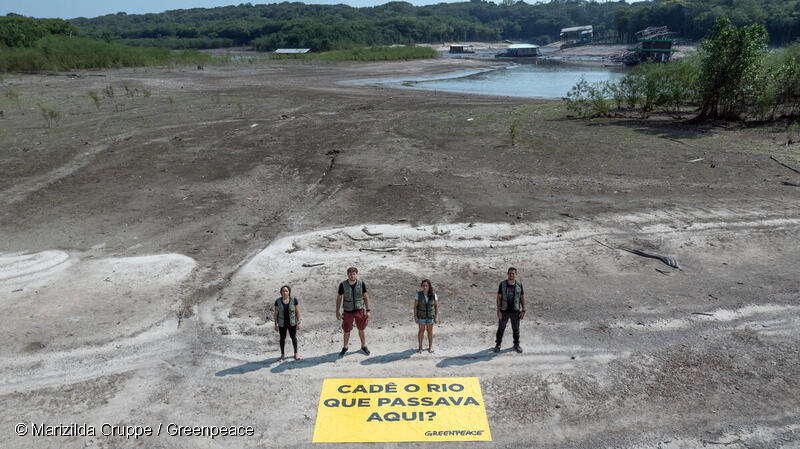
x: 95, y: 98
x: 694, y: 19
x: 377, y: 54
x: 335, y: 27
x: 51, y: 116
x: 65, y: 53
x: 731, y: 72
x: 791, y: 133
x: 13, y: 96
x: 18, y: 31
x: 732, y: 77
x: 513, y: 130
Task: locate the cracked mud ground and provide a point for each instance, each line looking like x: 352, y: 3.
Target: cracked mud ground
x: 142, y: 241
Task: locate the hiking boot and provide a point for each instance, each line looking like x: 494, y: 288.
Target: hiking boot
x: 366, y: 351
x: 496, y: 348
x: 341, y: 353
x: 518, y: 348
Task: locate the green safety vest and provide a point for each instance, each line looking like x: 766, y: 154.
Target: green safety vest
x: 292, y: 311
x: 504, y: 302
x: 351, y: 303
x: 425, y: 310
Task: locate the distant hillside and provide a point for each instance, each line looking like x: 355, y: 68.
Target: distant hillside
x: 327, y: 27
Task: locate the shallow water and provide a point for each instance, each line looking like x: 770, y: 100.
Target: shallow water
x: 541, y: 79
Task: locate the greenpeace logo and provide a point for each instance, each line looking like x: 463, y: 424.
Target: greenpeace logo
x: 449, y: 433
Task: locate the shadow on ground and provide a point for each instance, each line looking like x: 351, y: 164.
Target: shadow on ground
x: 466, y: 359
x: 389, y: 358
x: 670, y: 130
x: 291, y: 364
x: 246, y: 367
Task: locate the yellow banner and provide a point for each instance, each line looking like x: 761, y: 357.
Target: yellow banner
x: 401, y: 409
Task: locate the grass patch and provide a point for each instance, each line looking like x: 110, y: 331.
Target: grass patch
x: 69, y: 53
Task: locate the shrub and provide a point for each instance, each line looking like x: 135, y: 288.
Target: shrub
x: 51, y: 116
x: 95, y: 98
x: 731, y: 64
x: 589, y: 99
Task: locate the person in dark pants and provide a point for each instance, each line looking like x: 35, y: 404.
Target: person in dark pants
x: 287, y: 319
x: 510, y: 306
x: 354, y: 300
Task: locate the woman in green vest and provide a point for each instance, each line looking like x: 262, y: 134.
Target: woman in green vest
x: 426, y: 313
x: 287, y: 318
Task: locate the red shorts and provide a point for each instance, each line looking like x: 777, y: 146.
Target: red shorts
x: 361, y: 320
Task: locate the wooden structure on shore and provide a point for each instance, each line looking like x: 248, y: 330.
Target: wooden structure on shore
x: 655, y: 45
x: 575, y: 36
x: 459, y: 49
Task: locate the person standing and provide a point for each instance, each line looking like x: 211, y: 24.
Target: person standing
x: 510, y: 306
x: 426, y: 313
x: 287, y: 318
x: 354, y: 301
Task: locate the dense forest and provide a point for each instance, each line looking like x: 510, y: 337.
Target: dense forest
x: 325, y: 27
x: 329, y: 27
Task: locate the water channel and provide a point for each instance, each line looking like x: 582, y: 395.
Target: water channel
x: 542, y: 78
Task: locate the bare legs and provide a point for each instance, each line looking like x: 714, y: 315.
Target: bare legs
x: 361, y: 334
x: 421, y: 336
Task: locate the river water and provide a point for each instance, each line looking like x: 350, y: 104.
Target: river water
x: 538, y: 79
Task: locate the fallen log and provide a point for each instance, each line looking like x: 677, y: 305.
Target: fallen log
x: 381, y: 250
x: 787, y: 166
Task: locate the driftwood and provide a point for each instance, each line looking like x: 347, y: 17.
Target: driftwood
x: 381, y: 250
x: 702, y: 313
x: 313, y: 264
x: 787, y: 166
x: 666, y: 260
x: 669, y: 261
x: 371, y: 234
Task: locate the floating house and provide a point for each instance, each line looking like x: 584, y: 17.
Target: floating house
x: 520, y: 51
x: 292, y: 51
x: 458, y: 49
x: 574, y: 36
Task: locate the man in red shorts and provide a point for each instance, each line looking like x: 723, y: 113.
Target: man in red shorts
x: 353, y: 296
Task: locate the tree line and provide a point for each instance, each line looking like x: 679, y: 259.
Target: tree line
x: 329, y: 27
x: 326, y: 27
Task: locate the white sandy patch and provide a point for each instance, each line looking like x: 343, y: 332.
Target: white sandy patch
x: 20, y: 267
x: 317, y: 260
x: 764, y: 313
x: 88, y: 301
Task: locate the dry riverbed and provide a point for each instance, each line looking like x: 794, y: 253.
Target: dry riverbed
x: 142, y: 239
